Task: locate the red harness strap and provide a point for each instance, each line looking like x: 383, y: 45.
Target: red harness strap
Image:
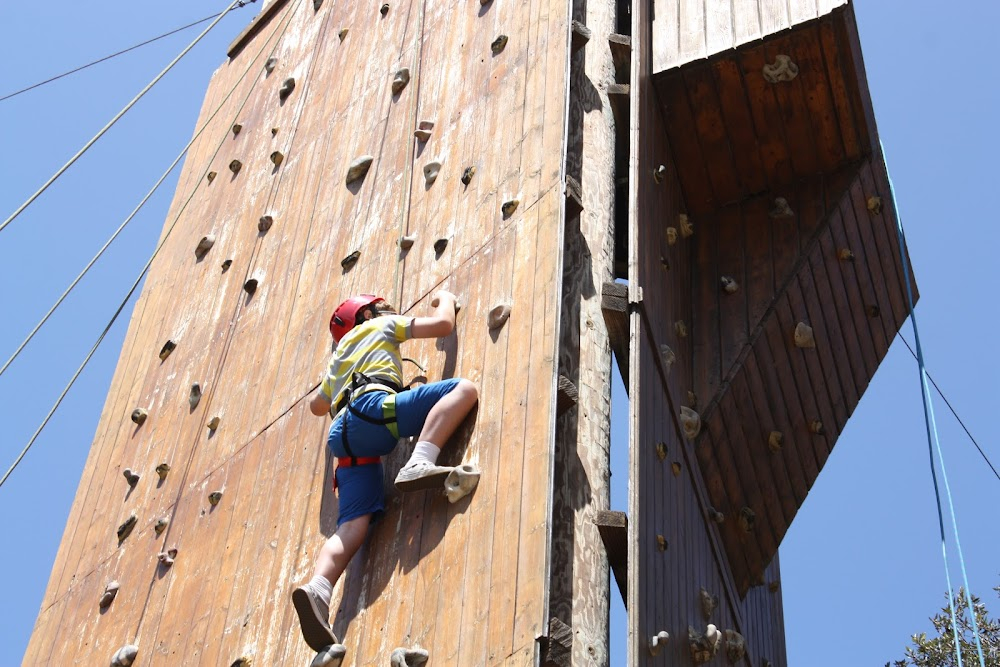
x: 350, y: 462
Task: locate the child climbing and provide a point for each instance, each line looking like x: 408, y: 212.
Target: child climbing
x: 363, y: 390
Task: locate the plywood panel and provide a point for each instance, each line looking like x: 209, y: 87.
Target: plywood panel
x: 258, y: 357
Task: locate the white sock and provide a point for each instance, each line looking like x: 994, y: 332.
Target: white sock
x: 424, y: 451
x: 321, y: 587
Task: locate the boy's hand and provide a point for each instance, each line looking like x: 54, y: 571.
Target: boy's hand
x: 442, y: 322
x: 445, y: 296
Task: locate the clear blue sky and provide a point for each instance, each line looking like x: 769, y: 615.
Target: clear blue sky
x: 861, y: 565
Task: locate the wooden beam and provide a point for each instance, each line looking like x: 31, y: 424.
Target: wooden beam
x: 574, y: 197
x: 613, y: 527
x: 557, y: 648
x: 621, y: 54
x: 255, y: 26
x: 581, y: 35
x: 614, y: 307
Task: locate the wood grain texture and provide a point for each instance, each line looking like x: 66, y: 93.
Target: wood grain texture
x: 257, y: 357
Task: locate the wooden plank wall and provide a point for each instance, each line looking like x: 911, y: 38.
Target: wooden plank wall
x: 467, y: 581
x: 688, y: 30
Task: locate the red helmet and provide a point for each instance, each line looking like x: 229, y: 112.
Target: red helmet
x: 345, y: 317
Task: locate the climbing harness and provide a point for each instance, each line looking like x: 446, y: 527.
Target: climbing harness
x: 362, y: 384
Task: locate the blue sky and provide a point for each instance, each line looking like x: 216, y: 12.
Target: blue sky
x: 861, y: 565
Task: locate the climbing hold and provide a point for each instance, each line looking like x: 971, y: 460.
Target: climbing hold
x: 846, y: 254
x: 498, y: 44
x: 270, y: 64
x: 461, y: 481
x: 774, y: 586
x: 317, y: 4
x: 671, y: 235
x: 210, y: 176
x: 204, y: 245
x: 125, y: 529
x: 873, y: 311
x: 675, y: 467
x: 265, y: 223
x: 161, y: 525
x: 214, y: 497
x: 250, y: 286
x: 747, y: 519
x: 343, y: 33
x: 729, y: 285
x: 423, y: 131
x: 384, y: 9
x: 274, y: 131
x: 467, y: 175
x: 408, y: 657
x: 125, y: 656
x: 736, y: 647
x: 287, y: 86
x: 781, y: 209
x: 110, y: 591
x: 661, y: 450
x: 226, y: 264
x: 236, y: 128
x: 399, y: 81
x: 692, y: 398
x: 816, y: 427
x: 167, y: 557
x: 774, y: 441
x: 661, y: 543
x: 213, y: 423
x: 680, y: 329
x: 804, y: 336
x: 485, y: 2
x: 330, y: 656
x: 875, y: 204
x: 431, y: 171
x: 350, y: 260
x: 509, y: 206
x: 686, y: 227
x: 498, y: 315
x: 245, y: 660
x: 691, y: 422
x: 657, y: 642
x: 665, y: 263
x: 357, y: 169
x: 709, y: 603
x: 783, y: 69
x: 440, y: 245
x: 131, y: 477
x: 235, y: 166
x: 715, y: 515
x: 659, y: 174
x: 195, y: 396
x: 406, y: 242
x: 703, y: 646
x: 167, y: 348
x: 668, y: 357
x: 277, y: 158
x: 139, y: 416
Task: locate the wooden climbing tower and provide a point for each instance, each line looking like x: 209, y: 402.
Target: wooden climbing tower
x: 720, y: 156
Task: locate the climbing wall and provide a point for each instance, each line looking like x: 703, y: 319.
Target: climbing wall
x: 265, y: 236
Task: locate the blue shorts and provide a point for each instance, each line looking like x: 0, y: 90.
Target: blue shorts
x: 360, y: 487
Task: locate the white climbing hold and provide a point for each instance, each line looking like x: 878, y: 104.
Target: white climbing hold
x: 423, y: 131
x: 657, y: 642
x: 498, y: 316
x: 685, y: 224
x: 357, y: 169
x: 125, y: 656
x: 691, y: 422
x: 736, y: 647
x: 729, y: 285
x: 804, y: 336
x: 659, y: 174
x: 330, y: 656
x: 408, y: 657
x: 167, y: 557
x: 431, y: 171
x: 709, y: 603
x: 110, y: 591
x: 668, y: 357
x: 204, y: 245
x: 461, y: 481
x: 783, y: 69
x: 781, y: 209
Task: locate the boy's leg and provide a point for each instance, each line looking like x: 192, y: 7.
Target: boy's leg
x: 312, y: 601
x: 441, y: 421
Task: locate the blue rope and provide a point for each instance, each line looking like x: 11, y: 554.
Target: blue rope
x: 934, y: 444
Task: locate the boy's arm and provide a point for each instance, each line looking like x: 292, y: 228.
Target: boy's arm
x: 441, y: 323
x: 319, y: 405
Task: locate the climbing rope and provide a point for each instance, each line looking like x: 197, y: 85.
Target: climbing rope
x: 114, y: 120
x: 934, y: 444
x: 119, y: 53
x: 159, y: 246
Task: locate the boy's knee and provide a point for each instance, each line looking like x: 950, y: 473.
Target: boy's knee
x: 468, y: 389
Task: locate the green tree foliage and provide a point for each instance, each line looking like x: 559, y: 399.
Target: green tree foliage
x: 939, y: 651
